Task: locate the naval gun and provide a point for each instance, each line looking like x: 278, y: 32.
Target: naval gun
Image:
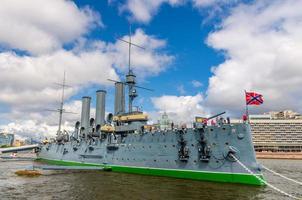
x: 205, y: 120
x: 214, y: 116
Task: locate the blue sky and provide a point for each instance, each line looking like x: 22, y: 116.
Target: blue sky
x: 200, y: 57
x: 185, y: 32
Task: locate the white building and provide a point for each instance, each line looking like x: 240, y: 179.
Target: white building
x: 277, y: 131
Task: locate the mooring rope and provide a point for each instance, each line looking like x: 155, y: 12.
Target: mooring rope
x: 263, y: 181
x: 276, y: 173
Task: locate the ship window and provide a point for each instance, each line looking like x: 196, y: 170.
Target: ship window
x: 173, y: 145
x: 154, y: 160
x: 227, y: 143
x: 192, y: 145
x: 167, y: 160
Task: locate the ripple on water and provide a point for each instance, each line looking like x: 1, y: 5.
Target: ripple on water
x: 109, y: 185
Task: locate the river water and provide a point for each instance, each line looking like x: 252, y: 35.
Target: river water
x: 92, y: 185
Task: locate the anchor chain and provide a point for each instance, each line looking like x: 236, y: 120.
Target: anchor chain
x: 276, y: 173
x: 263, y: 181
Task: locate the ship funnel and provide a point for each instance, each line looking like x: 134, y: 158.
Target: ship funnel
x: 85, y: 115
x: 119, y: 102
x: 100, y: 107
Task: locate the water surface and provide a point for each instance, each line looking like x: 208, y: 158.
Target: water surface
x: 94, y: 185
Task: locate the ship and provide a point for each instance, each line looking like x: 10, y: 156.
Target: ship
x: 124, y: 142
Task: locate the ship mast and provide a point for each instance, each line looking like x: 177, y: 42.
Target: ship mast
x: 61, y: 109
x: 130, y: 77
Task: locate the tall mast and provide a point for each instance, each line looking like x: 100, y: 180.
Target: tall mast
x: 130, y: 77
x: 61, y: 109
x: 129, y: 53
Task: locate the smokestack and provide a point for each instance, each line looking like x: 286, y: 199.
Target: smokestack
x: 85, y: 116
x: 100, y: 107
x: 119, y: 102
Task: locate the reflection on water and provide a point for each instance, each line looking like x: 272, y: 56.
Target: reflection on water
x: 110, y: 185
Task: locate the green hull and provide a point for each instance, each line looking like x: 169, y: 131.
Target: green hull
x: 176, y: 173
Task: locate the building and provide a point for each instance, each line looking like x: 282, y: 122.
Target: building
x: 277, y: 131
x: 164, y: 123
x: 6, y: 139
x: 18, y: 143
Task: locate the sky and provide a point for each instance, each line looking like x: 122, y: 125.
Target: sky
x: 199, y: 56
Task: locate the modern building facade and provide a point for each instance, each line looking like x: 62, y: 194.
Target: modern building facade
x: 6, y: 139
x: 277, y: 131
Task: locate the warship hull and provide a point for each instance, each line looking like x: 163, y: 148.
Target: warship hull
x: 161, y: 153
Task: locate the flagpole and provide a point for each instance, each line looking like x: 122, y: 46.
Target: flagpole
x: 246, y: 109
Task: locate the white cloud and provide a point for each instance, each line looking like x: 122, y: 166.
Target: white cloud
x: 147, y: 62
x: 196, y: 84
x: 263, y: 47
x: 27, y: 82
x: 144, y: 10
x: 182, y: 109
x: 209, y: 3
x: 42, y: 26
x: 44, y: 124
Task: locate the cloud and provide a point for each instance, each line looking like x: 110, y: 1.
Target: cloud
x: 144, y: 10
x: 148, y: 62
x: 215, y: 3
x: 196, y: 84
x: 43, y: 26
x: 27, y: 82
x: 263, y: 47
x: 43, y: 124
x: 182, y: 109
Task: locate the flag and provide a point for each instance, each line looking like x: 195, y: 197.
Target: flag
x: 253, y: 98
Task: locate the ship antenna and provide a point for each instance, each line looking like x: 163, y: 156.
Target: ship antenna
x: 130, y: 77
x: 61, y: 109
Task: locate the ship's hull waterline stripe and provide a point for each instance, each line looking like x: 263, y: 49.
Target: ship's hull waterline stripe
x: 176, y: 173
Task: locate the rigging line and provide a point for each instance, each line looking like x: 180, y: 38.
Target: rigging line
x: 276, y: 173
x: 263, y: 181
